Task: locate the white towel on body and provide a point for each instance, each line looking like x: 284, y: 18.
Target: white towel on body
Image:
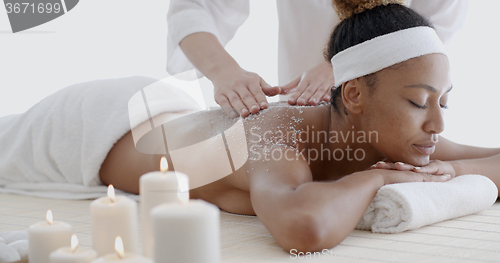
x: 56, y: 148
x: 400, y: 207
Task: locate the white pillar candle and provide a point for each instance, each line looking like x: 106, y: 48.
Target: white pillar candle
x: 186, y: 232
x: 73, y: 254
x: 121, y: 257
x: 155, y: 188
x: 47, y: 236
x: 127, y: 258
x: 114, y: 216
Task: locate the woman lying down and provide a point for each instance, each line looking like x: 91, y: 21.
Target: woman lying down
x: 308, y: 173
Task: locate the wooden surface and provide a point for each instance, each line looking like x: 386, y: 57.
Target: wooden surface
x: 474, y: 238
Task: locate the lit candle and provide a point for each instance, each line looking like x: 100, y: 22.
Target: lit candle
x: 47, y: 236
x: 121, y: 257
x: 155, y: 188
x: 113, y: 216
x: 186, y: 231
x: 73, y: 254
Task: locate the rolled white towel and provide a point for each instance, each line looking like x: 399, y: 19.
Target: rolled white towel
x: 400, y: 207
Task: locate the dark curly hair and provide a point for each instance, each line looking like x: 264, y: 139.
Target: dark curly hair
x: 363, y: 26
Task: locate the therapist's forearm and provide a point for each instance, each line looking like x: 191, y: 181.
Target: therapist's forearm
x: 489, y: 167
x: 206, y: 53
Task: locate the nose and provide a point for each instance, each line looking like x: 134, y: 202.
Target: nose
x: 435, y: 121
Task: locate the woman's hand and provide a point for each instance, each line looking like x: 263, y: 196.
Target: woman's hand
x: 394, y: 166
x: 241, y: 90
x: 312, y: 86
x: 392, y: 176
x: 235, y: 89
x: 435, y: 167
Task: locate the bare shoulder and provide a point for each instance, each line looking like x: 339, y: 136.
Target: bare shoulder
x: 282, y: 123
x: 272, y: 143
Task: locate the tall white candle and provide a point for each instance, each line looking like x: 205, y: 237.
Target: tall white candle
x: 73, y: 254
x: 114, y: 216
x: 47, y: 236
x: 186, y: 232
x: 155, y: 188
x: 121, y: 257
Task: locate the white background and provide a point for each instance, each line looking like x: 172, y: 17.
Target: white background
x: 119, y: 38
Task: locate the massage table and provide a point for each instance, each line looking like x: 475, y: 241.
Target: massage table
x: 473, y: 238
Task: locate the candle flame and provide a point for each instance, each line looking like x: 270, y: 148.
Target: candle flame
x: 74, y: 243
x: 183, y: 188
x: 163, y: 164
x: 49, y: 217
x: 111, y: 193
x: 119, y: 247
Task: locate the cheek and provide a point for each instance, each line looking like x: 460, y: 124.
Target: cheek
x: 397, y: 128
x: 388, y: 121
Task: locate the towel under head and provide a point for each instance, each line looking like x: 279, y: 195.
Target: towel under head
x: 400, y: 207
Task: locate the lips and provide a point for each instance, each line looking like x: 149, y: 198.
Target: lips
x: 426, y: 149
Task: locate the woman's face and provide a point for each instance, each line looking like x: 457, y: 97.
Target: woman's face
x: 406, y: 108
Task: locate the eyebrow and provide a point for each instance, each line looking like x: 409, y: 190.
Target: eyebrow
x: 427, y: 87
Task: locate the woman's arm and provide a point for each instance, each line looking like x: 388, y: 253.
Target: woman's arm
x: 457, y: 159
x: 310, y: 216
x: 467, y: 160
x: 447, y: 150
x: 489, y: 167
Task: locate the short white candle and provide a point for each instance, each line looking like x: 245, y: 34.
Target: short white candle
x: 155, y: 188
x: 121, y: 257
x: 73, y: 254
x: 114, y: 216
x: 186, y: 232
x: 47, y: 236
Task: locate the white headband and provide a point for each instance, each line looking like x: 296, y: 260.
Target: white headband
x: 384, y: 51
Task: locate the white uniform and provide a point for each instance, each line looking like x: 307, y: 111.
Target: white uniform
x: 304, y: 28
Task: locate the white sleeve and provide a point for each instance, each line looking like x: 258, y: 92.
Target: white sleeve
x: 448, y: 16
x: 222, y: 18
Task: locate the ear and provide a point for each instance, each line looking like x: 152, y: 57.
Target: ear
x: 351, y: 96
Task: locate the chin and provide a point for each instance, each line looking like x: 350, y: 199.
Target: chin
x: 419, y: 161
x: 413, y: 160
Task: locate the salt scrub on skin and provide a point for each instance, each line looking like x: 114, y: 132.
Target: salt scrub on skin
x: 73, y: 254
x: 47, y: 236
x: 268, y: 128
x: 113, y: 216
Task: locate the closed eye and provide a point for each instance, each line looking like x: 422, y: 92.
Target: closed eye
x: 418, y: 106
x: 425, y: 106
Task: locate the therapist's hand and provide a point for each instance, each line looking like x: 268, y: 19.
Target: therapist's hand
x: 236, y: 90
x: 312, y: 86
x: 240, y: 92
